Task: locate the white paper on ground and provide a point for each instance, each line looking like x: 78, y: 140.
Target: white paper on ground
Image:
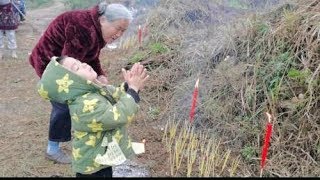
x: 138, y: 148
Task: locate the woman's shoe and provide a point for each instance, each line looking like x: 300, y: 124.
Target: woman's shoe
x: 59, y: 157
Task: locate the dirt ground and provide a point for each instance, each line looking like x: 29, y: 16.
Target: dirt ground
x: 25, y: 116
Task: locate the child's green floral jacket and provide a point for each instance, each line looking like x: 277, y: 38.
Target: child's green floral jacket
x: 97, y: 114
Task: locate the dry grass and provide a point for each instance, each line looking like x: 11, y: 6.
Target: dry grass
x: 282, y: 77
x: 247, y: 66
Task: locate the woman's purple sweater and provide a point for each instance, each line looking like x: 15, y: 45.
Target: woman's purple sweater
x: 75, y: 34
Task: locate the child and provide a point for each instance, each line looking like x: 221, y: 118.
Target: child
x: 8, y: 24
x: 100, y: 113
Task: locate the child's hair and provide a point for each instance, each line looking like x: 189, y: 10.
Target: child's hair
x: 60, y: 59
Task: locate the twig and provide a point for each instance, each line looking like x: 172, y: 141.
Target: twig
x: 310, y: 86
x: 314, y: 161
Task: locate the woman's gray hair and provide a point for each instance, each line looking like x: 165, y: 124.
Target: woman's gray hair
x: 114, y: 12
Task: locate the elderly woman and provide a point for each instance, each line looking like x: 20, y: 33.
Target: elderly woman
x: 80, y: 34
x: 8, y: 24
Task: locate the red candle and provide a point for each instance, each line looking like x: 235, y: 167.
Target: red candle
x: 268, y: 132
x: 140, y: 35
x: 194, y: 101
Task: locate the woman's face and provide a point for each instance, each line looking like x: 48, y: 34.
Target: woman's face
x: 114, y: 30
x: 82, y: 69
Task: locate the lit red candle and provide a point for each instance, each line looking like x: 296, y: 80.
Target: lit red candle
x: 267, y: 138
x: 194, y: 101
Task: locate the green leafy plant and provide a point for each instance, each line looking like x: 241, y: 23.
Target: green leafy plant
x: 158, y: 48
x: 248, y: 152
x: 153, y: 112
x: 300, y: 75
x: 262, y: 28
x: 139, y: 56
x: 274, y: 71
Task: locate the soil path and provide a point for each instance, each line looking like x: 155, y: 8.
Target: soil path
x: 24, y: 115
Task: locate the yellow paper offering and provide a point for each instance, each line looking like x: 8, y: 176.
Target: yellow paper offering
x: 113, y: 156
